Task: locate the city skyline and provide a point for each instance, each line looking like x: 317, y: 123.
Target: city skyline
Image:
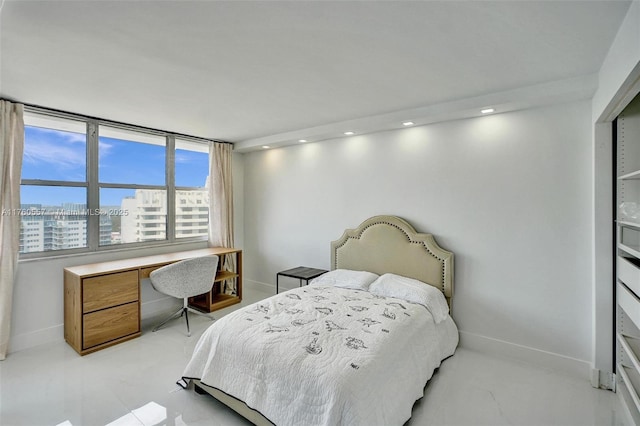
x: 141, y: 218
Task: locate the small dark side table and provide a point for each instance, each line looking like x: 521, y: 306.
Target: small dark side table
x: 302, y: 273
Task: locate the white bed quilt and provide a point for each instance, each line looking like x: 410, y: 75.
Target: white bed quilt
x: 319, y: 355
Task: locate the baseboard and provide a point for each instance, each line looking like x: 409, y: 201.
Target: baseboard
x: 156, y: 307
x: 494, y: 347
x: 548, y: 360
x: 44, y: 336
x: 259, y: 286
x: 55, y: 334
x: 483, y: 344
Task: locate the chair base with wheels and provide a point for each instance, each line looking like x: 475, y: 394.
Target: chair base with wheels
x: 185, y: 279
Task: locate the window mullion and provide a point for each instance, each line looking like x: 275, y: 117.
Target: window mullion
x: 131, y: 186
x: 42, y: 182
x: 171, y: 188
x: 93, y: 195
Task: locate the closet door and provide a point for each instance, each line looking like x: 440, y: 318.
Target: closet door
x: 628, y: 258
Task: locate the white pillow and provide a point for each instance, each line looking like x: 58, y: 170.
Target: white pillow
x: 392, y: 285
x: 346, y: 278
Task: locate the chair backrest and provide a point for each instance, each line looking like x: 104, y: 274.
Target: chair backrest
x: 186, y: 278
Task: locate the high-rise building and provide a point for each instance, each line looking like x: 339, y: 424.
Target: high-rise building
x: 147, y: 215
x: 192, y: 213
x: 45, y: 228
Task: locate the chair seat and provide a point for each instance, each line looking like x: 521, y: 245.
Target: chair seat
x: 185, y: 279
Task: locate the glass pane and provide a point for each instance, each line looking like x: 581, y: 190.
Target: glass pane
x: 56, y: 152
x: 192, y: 213
x: 192, y: 163
x: 132, y: 215
x: 52, y: 218
x: 131, y: 157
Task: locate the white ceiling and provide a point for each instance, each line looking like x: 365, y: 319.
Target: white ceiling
x: 252, y: 72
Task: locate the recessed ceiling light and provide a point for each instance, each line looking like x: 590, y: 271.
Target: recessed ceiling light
x: 349, y: 133
x: 487, y: 110
x: 408, y: 123
x: 302, y: 140
x: 265, y: 147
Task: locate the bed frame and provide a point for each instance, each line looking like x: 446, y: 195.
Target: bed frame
x: 380, y: 244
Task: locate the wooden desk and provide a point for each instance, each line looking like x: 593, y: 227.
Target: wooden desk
x: 102, y: 300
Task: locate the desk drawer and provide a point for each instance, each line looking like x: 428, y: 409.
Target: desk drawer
x: 145, y: 272
x: 110, y: 324
x: 109, y: 290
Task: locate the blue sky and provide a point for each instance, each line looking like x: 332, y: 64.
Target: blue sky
x: 58, y: 155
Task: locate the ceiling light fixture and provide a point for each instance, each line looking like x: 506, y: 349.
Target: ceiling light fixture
x: 408, y: 123
x: 302, y: 140
x: 349, y: 133
x: 487, y: 110
x: 265, y: 147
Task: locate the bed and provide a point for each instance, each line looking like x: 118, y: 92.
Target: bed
x: 356, y: 346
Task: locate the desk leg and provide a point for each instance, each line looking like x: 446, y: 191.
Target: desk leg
x: 277, y: 283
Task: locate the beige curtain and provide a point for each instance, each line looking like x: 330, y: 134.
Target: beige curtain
x: 221, y: 204
x: 11, y: 149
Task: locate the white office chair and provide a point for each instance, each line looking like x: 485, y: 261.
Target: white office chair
x: 185, y: 279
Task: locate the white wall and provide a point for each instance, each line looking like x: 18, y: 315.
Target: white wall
x: 509, y: 194
x: 617, y: 70
x: 37, y: 313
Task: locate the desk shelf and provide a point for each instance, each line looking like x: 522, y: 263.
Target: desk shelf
x: 205, y: 303
x: 217, y: 298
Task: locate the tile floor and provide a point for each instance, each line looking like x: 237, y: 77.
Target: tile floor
x: 134, y: 384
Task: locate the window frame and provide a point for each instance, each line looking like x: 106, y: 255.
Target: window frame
x: 93, y: 185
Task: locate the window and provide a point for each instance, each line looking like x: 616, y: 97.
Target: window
x: 192, y: 172
x: 132, y: 181
x: 131, y: 157
x: 53, y: 192
x: 135, y: 193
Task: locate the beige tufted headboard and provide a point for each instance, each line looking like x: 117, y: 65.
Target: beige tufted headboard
x: 384, y: 244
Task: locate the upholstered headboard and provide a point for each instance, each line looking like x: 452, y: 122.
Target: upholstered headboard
x: 384, y: 244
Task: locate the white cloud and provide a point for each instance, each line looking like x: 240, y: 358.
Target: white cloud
x: 181, y: 158
x: 58, y: 149
x: 59, y: 155
x: 104, y: 148
x: 74, y: 137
